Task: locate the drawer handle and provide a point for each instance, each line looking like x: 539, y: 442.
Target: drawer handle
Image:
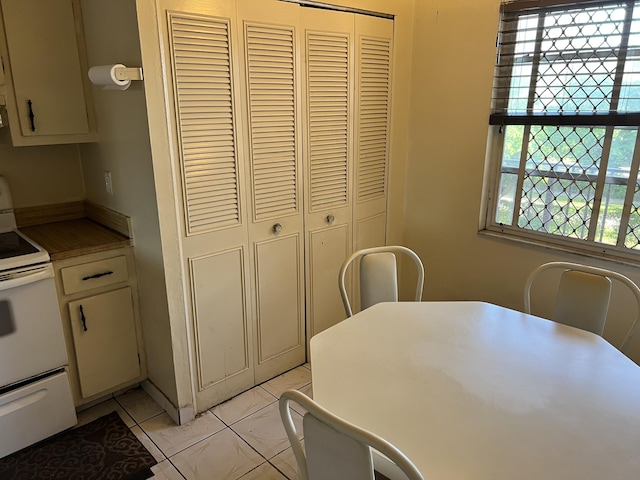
x: 83, y: 318
x: 97, y: 275
x: 32, y: 117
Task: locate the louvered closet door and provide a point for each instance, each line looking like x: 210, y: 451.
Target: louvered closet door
x: 373, y: 37
x: 276, y: 238
x: 372, y: 118
x: 201, y: 74
x: 328, y: 129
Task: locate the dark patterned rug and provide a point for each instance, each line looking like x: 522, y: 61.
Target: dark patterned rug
x: 104, y: 449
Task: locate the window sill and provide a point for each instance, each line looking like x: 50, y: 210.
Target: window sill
x: 606, y: 252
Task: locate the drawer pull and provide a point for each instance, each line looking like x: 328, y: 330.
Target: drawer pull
x: 97, y: 275
x: 83, y: 318
x: 32, y: 117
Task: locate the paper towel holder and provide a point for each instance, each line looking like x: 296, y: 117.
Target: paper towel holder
x: 129, y: 73
x: 116, y: 76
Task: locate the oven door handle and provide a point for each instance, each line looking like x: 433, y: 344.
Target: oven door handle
x: 26, y: 278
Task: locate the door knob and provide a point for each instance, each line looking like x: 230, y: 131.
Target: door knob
x: 277, y: 228
x: 330, y: 219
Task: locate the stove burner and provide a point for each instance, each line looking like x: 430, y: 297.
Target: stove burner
x: 13, y: 245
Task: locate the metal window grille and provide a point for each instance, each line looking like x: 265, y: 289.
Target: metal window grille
x: 566, y: 104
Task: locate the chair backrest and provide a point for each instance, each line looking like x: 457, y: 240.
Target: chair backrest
x: 583, y: 300
x: 378, y: 276
x: 583, y: 296
x: 335, y: 449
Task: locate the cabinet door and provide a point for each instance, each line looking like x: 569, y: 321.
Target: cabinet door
x: 104, y: 338
x: 45, y: 67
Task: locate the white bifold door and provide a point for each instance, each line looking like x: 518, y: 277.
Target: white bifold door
x: 280, y: 116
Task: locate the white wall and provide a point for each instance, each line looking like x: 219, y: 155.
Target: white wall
x: 42, y: 175
x: 453, y: 60
x: 123, y: 149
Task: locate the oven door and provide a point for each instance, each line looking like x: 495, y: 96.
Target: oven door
x: 31, y: 336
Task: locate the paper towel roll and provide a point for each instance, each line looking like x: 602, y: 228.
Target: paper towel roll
x: 106, y: 75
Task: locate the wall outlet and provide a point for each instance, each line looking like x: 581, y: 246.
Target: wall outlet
x: 108, y: 185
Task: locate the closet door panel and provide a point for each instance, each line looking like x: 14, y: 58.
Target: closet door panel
x: 373, y: 37
x: 220, y: 318
x: 205, y: 107
x: 329, y: 120
x: 272, y: 77
x: 279, y: 299
x: 204, y: 102
x: 328, y: 130
x: 328, y: 247
x: 372, y: 120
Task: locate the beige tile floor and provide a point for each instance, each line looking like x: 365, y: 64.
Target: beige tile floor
x: 242, y: 438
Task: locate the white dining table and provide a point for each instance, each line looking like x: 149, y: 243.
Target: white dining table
x: 471, y: 390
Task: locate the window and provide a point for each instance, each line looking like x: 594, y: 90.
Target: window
x: 565, y: 114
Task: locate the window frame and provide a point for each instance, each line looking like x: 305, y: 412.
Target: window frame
x: 494, y: 168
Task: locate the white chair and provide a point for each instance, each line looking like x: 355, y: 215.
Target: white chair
x: 583, y: 296
x: 335, y: 449
x: 378, y: 276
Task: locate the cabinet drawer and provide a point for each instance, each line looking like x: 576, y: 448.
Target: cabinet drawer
x: 48, y: 400
x: 87, y: 276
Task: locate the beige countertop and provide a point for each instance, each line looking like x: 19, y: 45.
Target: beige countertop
x: 66, y: 230
x: 72, y: 238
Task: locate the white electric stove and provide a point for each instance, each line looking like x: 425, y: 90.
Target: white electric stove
x: 35, y: 397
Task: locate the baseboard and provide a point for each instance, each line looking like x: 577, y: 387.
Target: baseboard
x: 179, y: 415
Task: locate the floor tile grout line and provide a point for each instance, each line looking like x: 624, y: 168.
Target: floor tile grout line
x: 176, y: 468
x: 195, y: 443
x: 277, y: 399
x: 251, y: 446
x: 241, y: 418
x: 229, y: 426
x: 267, y: 460
x: 154, y: 443
x: 139, y: 424
x: 283, y: 473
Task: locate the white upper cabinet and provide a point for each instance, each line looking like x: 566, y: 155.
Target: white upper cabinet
x: 46, y: 85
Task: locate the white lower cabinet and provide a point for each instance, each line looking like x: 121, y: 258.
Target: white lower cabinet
x: 104, y: 339
x: 98, y: 304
